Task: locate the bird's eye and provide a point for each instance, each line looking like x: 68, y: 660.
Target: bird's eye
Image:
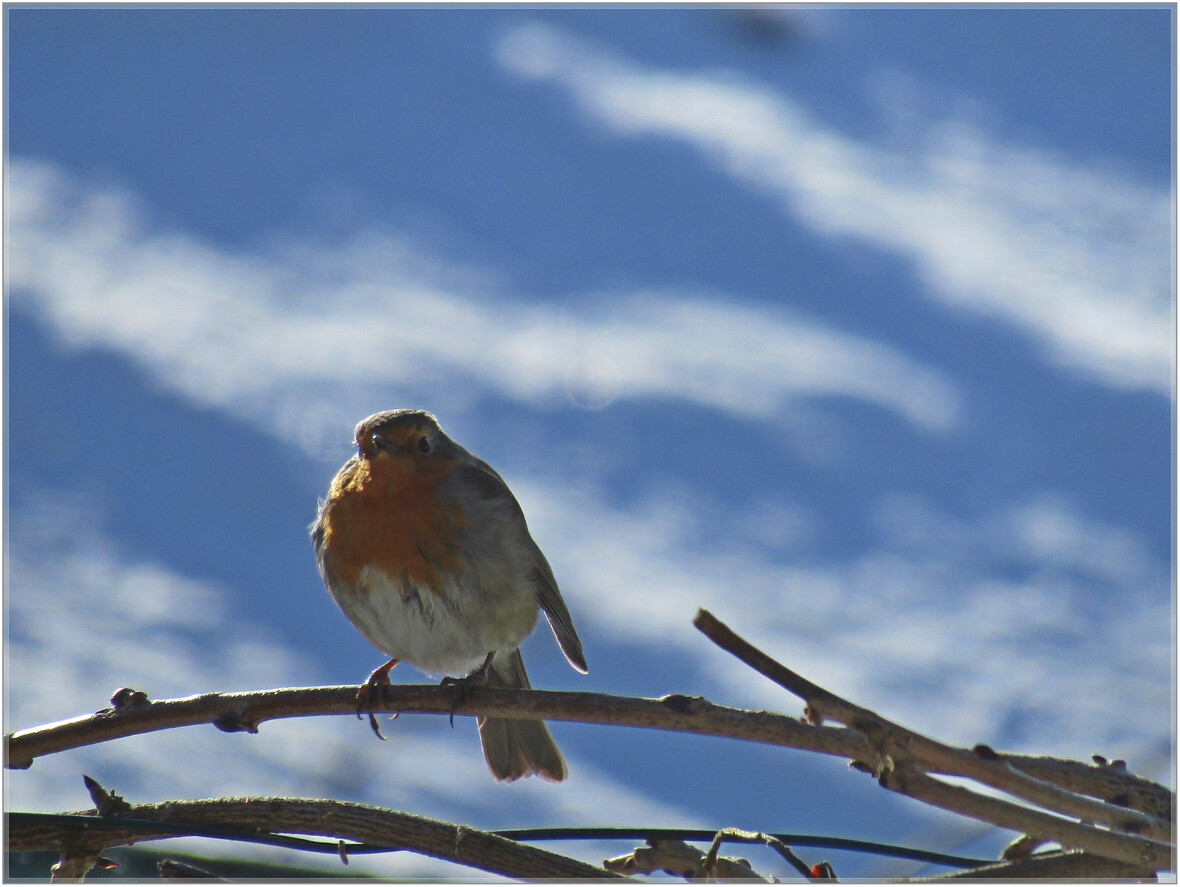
x: 423, y: 444
x: 379, y: 442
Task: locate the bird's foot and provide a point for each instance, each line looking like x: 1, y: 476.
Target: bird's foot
x: 464, y: 686
x: 365, y: 695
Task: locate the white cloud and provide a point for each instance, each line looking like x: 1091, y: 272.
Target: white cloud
x: 310, y: 333
x: 1079, y: 257
x: 83, y: 620
x: 1043, y: 529
x: 922, y: 626
x: 919, y: 627
x: 1034, y: 626
x: 302, y: 341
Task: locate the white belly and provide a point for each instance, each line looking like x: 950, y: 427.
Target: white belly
x: 447, y: 633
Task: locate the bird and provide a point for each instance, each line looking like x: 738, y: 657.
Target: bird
x: 428, y: 553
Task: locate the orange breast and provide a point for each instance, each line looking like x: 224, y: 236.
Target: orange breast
x: 386, y: 515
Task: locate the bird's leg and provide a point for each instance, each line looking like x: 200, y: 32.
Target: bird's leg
x: 364, y: 701
x: 463, y: 686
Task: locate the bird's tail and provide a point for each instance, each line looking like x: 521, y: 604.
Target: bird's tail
x: 516, y: 748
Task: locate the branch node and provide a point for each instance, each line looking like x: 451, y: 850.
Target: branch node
x: 986, y: 752
x: 125, y: 699
x: 681, y: 704
x: 235, y: 721
x: 679, y: 859
x: 711, y: 863
x: 106, y: 803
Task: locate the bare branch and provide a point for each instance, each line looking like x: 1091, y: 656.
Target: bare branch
x: 294, y: 816
x: 170, y: 868
x: 790, y: 856
x: 678, y: 858
x: 677, y: 713
x: 1112, y: 784
x: 714, y: 866
x: 733, y: 834
x: 1060, y: 866
x: 686, y: 834
x: 1071, y: 835
x: 77, y: 858
x: 894, y: 744
x: 246, y: 711
x: 897, y: 756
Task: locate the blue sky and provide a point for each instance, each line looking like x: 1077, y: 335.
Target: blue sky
x: 855, y: 328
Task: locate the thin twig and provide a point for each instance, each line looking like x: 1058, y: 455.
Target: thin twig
x: 77, y: 858
x: 247, y: 711
x: 789, y: 855
x: 675, y: 713
x: 712, y: 862
x: 170, y: 868
x: 1138, y: 852
x: 895, y: 743
x: 1064, y: 865
x: 43, y: 823
x: 734, y: 834
x: 295, y: 816
x: 1112, y: 784
x: 678, y: 858
x: 867, y: 738
x: 685, y: 834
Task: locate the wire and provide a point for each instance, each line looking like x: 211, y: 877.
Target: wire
x: 114, y: 823
x: 683, y: 834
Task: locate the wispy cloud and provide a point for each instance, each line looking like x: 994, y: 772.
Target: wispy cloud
x: 1079, y: 257
x: 1033, y: 627
x: 920, y: 627
x: 313, y: 332
x: 87, y: 620
x: 252, y: 332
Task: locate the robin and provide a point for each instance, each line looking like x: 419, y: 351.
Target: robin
x: 427, y: 552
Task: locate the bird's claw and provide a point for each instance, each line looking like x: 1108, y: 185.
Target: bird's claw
x: 464, y: 686
x: 365, y: 695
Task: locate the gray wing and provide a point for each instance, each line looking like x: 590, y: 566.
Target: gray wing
x: 316, y: 531
x: 557, y: 612
x: 482, y: 478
